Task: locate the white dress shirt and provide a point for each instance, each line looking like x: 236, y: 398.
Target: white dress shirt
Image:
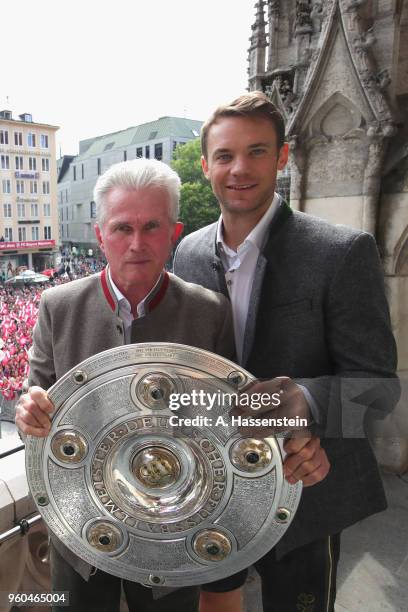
x: 125, y: 309
x: 239, y: 268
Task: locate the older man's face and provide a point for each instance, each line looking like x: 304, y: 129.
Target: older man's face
x: 137, y: 236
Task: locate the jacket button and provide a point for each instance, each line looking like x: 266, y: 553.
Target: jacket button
x: 120, y: 330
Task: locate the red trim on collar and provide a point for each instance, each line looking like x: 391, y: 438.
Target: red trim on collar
x: 160, y: 294
x: 106, y: 290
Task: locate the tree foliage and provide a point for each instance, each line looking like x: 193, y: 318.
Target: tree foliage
x: 198, y: 205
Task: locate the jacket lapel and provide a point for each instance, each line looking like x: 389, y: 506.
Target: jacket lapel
x: 282, y: 215
x: 217, y: 267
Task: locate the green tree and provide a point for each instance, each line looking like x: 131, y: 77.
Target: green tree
x: 198, y: 205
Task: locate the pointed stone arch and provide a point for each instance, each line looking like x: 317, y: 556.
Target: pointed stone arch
x: 337, y: 117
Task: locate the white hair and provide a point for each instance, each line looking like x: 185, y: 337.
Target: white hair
x: 137, y: 174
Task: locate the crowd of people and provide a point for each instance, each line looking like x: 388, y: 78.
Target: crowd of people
x: 18, y: 315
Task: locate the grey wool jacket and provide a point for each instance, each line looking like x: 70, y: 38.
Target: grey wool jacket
x: 318, y: 313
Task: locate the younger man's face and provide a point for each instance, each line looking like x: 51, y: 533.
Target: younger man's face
x: 242, y: 163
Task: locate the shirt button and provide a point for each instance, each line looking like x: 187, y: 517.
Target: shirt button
x: 229, y: 283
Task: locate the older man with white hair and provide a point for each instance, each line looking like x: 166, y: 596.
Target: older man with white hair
x: 132, y: 300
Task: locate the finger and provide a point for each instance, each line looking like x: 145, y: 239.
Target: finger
x: 40, y: 396
x: 312, y: 472
x: 305, y: 454
x: 30, y: 412
x: 295, y: 443
x: 28, y: 430
x: 318, y: 474
x: 32, y: 415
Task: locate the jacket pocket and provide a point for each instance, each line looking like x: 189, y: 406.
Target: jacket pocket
x: 293, y: 308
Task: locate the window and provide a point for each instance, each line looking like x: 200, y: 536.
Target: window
x: 35, y: 233
x: 19, y: 186
x: 18, y: 139
x: 20, y: 210
x: 6, y: 186
x: 34, y: 210
x: 19, y: 162
x: 66, y: 195
x: 158, y: 151
x: 33, y: 187
x: 31, y: 139
x: 46, y: 187
x: 8, y: 234
x: 22, y: 234
x: 45, y: 164
x: 47, y: 232
x: 5, y: 162
x: 4, y: 137
x: 74, y: 172
x: 44, y: 141
x: 32, y: 163
x: 47, y: 210
x: 124, y: 155
x: 82, y: 171
x: 139, y: 152
x: 98, y: 163
x: 147, y: 151
x: 92, y: 212
x: 7, y: 211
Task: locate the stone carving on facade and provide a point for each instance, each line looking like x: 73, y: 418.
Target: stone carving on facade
x: 297, y: 165
x: 273, y: 7
x: 304, y: 58
x: 303, y: 23
x: 316, y: 16
x: 353, y: 5
x: 376, y: 97
x: 383, y: 79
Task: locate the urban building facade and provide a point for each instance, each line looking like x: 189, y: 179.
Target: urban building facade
x: 78, y: 175
x: 338, y: 71
x: 28, y: 194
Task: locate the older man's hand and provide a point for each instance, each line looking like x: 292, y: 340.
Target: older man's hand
x: 305, y: 460
x: 33, y: 413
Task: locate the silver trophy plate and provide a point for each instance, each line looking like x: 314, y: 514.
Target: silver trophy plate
x: 152, y: 494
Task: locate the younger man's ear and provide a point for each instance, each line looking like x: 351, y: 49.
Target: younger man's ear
x: 283, y: 156
x: 204, y: 166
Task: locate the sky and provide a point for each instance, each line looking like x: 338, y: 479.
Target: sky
x: 94, y: 67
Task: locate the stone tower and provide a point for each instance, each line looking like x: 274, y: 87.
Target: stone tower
x: 338, y: 71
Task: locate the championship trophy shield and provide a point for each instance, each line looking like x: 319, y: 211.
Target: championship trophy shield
x: 144, y: 474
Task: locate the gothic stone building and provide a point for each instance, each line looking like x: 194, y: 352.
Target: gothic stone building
x: 338, y: 70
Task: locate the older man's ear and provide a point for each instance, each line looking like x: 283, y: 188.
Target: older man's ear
x: 98, y: 235
x: 178, y: 230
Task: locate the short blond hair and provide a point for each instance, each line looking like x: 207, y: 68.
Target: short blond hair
x: 253, y: 104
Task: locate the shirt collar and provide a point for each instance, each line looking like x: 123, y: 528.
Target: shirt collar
x: 149, y: 302
x: 258, y: 234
